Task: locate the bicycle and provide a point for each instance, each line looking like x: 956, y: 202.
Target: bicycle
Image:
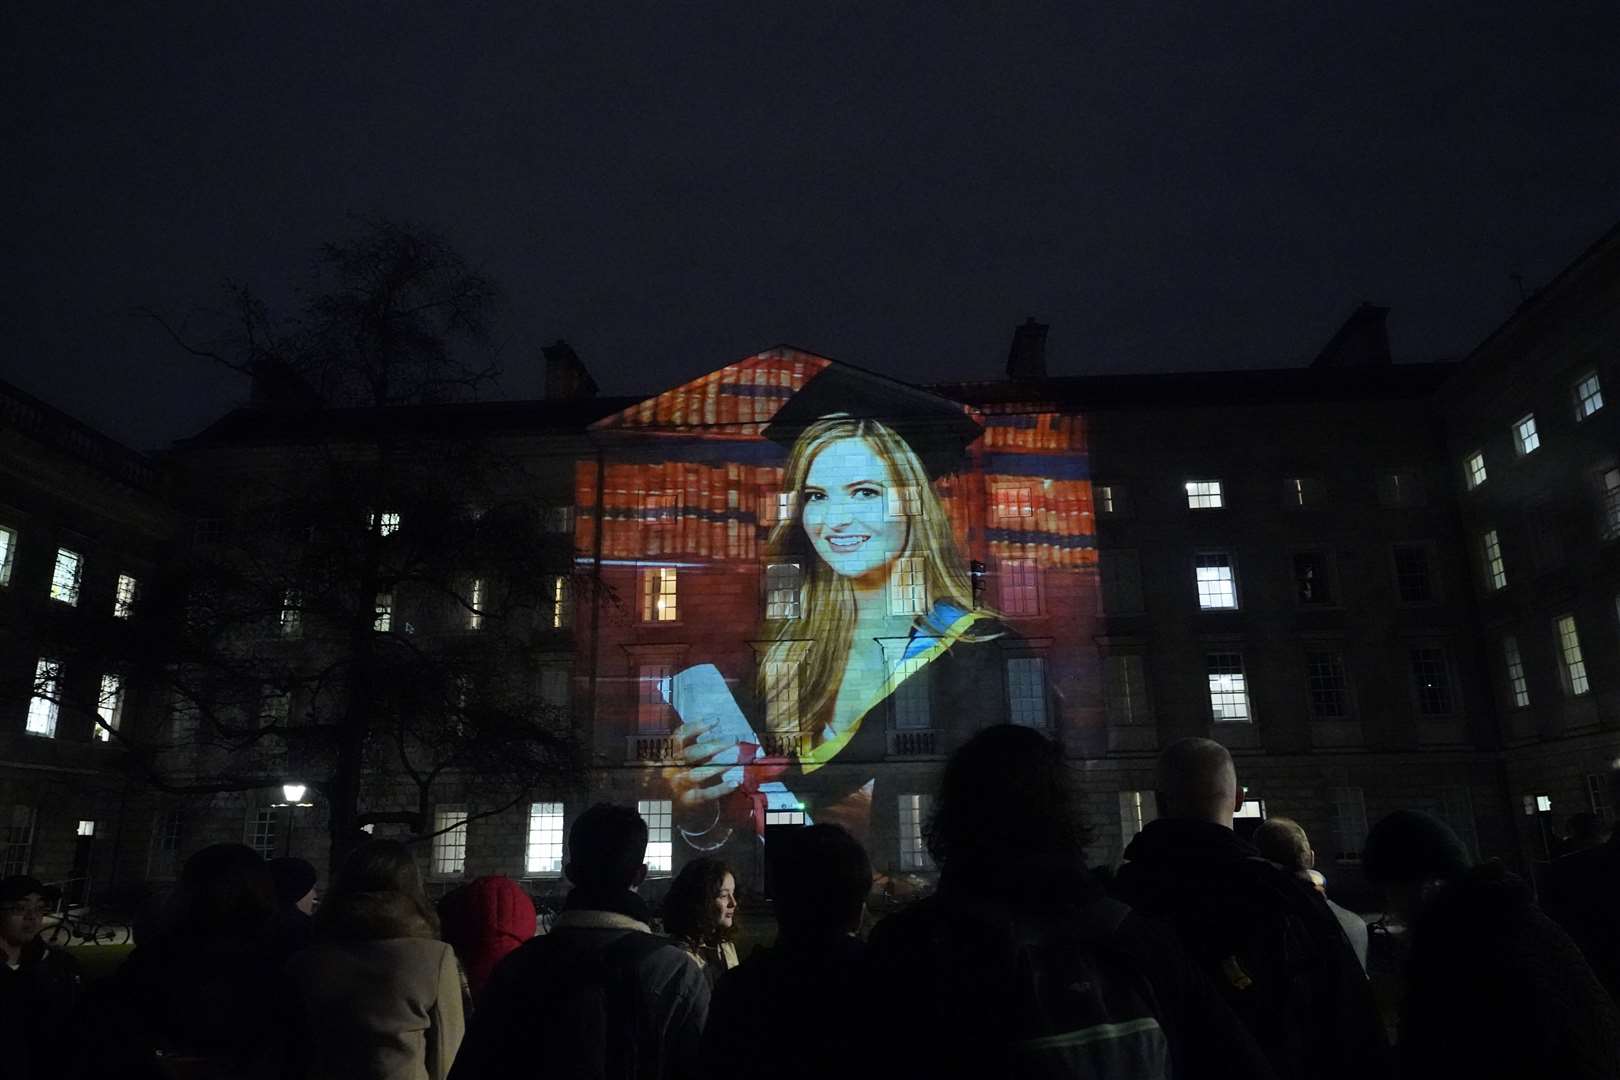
x: 87, y: 926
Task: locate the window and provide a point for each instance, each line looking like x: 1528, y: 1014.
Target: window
x: 1304, y: 492
x: 124, y: 597
x: 17, y: 841
x: 914, y: 811
x: 1413, y: 582
x: 782, y: 708
x: 475, y: 604
x: 1474, y: 469
x: 654, y: 691
x: 904, y: 501
x: 1329, y: 688
x: 554, y: 685
x: 1125, y: 689
x: 559, y: 614
x: 1401, y: 488
x: 8, y: 553
x: 784, y: 817
x: 109, y: 707
x: 1136, y: 810
x: 386, y: 523
x: 1020, y: 587
x: 912, y: 710
x: 85, y: 828
x: 46, y: 701
x: 1026, y: 691
x: 291, y: 621
x: 1525, y: 438
x: 1013, y: 504
x: 657, y: 813
x: 449, y: 841
x: 65, y: 577
x: 1251, y: 808
x: 262, y: 831
x: 1609, y: 502
x: 1228, y: 688
x: 183, y: 719
x: 1204, y: 495
x: 208, y: 530
x: 543, y: 855
x: 782, y: 585
x: 1588, y: 395
x: 1597, y: 794
x: 383, y: 613
x: 1217, y: 581
x: 1490, y: 548
x: 1572, y: 663
x: 1431, y: 681
x: 1121, y: 576
x: 164, y: 857
x: 1518, y: 685
x: 1313, y: 578
x: 1350, y: 819
x: 908, y: 588
x: 1111, y: 500
x: 660, y: 596
x: 558, y: 519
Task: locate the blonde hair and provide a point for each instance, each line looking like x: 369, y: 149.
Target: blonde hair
x: 815, y: 647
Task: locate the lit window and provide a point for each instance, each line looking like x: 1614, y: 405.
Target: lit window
x: 1020, y: 587
x: 1474, y: 469
x: 1120, y: 573
x: 560, y: 600
x: 1329, y: 687
x: 386, y: 523
x: 654, y: 690
x: 1518, y: 685
x: 1350, y: 819
x: 784, y: 817
x: 660, y: 598
x: 1228, y: 687
x: 1251, y: 808
x: 1401, y: 488
x: 912, y: 705
x: 914, y: 811
x: 17, y: 841
x: 475, y: 604
x: 1013, y: 504
x: 1413, y: 583
x: 1125, y: 690
x: 1026, y: 691
x: 1111, y: 500
x: 46, y: 701
x: 1609, y: 503
x: 543, y: 856
x: 449, y: 841
x: 657, y: 813
x: 124, y: 596
x: 109, y: 707
x: 1491, y: 551
x: 1588, y: 395
x: 904, y: 501
x: 65, y: 577
x: 1431, y: 681
x: 908, y: 588
x: 782, y: 584
x: 1525, y: 438
x: 383, y: 613
x: 1204, y: 495
x: 86, y: 828
x: 1569, y: 652
x: 8, y: 553
x: 1217, y: 581
x: 262, y: 831
x: 1304, y: 491
x: 290, y: 620
x: 1313, y: 578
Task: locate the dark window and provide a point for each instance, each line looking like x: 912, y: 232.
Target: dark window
x: 1330, y: 690
x: 1413, y: 581
x: 1431, y: 680
x: 1313, y: 577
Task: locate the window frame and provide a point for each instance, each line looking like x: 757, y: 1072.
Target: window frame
x: 450, y: 842
x: 1582, y: 413
x: 1211, y: 692
x: 8, y: 553
x: 1430, y: 572
x: 1572, y: 671
x: 659, y: 814
x: 1304, y: 492
x: 1218, y: 494
x: 1346, y: 689
x: 1042, y: 697
x: 1475, y: 473
x: 109, y: 716
x: 912, y: 810
x: 783, y: 602
x: 1139, y: 691
x: 545, y: 844
x: 46, y: 697
x: 1518, y: 683
x: 660, y: 588
x: 1526, y: 435
x: 1011, y: 586
x: 1330, y: 578
x: 1445, y: 668
x: 1111, y: 500
x: 1110, y: 581
x: 1232, y: 580
x: 1492, y: 561
x: 67, y: 592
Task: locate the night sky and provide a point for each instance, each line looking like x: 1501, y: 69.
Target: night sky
x: 673, y: 186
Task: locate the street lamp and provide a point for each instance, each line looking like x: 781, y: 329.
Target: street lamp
x: 293, y: 793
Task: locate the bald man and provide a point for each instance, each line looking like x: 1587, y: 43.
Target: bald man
x: 1266, y: 938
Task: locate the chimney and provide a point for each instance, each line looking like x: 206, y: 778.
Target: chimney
x: 566, y: 377
x: 1363, y: 340
x: 1027, y: 357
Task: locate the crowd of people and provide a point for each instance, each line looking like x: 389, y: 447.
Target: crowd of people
x: 1207, y: 956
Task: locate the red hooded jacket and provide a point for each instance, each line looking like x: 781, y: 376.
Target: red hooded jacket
x: 484, y: 920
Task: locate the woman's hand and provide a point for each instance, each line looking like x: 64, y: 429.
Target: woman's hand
x: 698, y: 783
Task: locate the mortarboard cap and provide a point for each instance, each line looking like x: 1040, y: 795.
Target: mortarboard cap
x: 937, y: 429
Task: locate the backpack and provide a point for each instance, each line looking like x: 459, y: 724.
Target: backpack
x: 1049, y: 998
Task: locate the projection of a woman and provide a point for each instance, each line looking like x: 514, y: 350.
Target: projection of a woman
x: 886, y: 631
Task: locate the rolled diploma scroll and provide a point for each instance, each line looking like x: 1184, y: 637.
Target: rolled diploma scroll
x: 700, y: 696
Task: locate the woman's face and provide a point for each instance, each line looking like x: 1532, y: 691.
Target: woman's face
x: 846, y: 501
x: 725, y: 904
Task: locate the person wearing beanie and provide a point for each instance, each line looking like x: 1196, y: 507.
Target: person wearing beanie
x: 1494, y: 989
x: 39, y: 985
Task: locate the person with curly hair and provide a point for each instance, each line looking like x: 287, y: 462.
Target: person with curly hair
x: 700, y: 913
